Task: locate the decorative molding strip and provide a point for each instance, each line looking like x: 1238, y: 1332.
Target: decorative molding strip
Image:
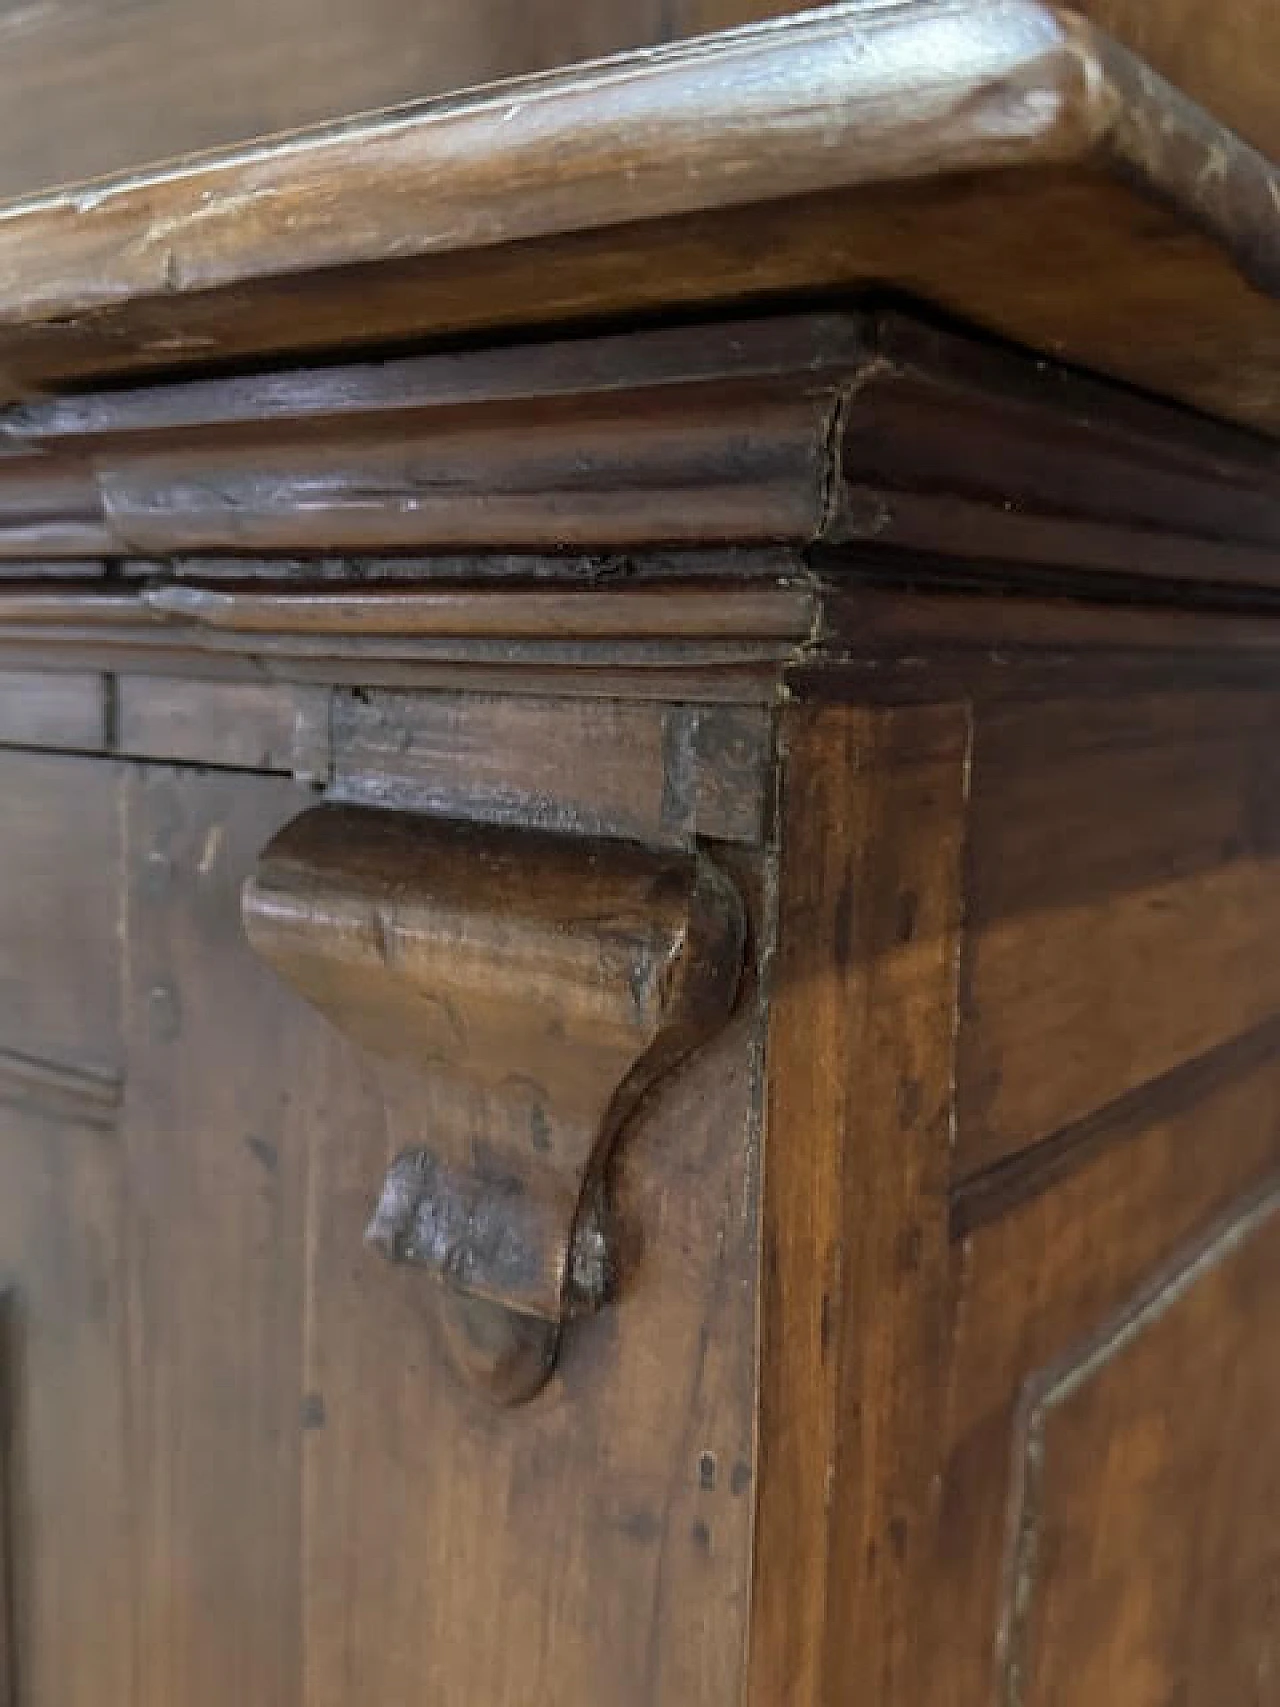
x: 538, y: 985
x: 791, y: 433
x: 58, y: 1091
x: 674, y: 641
x: 576, y: 191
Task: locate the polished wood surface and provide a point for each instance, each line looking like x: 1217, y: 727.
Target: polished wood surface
x: 909, y: 694
x: 230, y: 1418
x: 540, y: 986
x: 990, y: 131
x: 801, y: 430
x: 96, y: 89
x: 855, y: 1201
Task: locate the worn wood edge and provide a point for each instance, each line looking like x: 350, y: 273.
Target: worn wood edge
x: 58, y: 1090
x: 499, y: 758
x: 701, y: 643
x: 825, y: 430
x: 854, y: 1285
x: 849, y: 96
x: 684, y: 771
x: 698, y: 676
x: 772, y: 109
x: 810, y: 350
x: 770, y: 613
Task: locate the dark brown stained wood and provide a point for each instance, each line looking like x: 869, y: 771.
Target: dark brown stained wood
x: 942, y: 430
x: 232, y: 1417
x: 1124, y: 1267
x: 217, y: 1116
x: 657, y: 773
x: 187, y: 78
x: 854, y: 1302
x: 52, y: 711
x: 373, y: 611
x: 844, y: 429
x: 885, y: 645
x: 1121, y: 903
x: 241, y: 725
x: 593, y: 190
x: 60, y: 911
x: 777, y: 612
x: 676, y: 642
x: 530, y: 481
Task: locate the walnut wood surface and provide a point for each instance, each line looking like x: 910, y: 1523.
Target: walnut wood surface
x: 953, y: 1418
x: 861, y: 1057
x: 232, y: 1418
x: 986, y: 130
x: 1116, y: 1288
x: 1152, y: 944
x: 541, y: 985
x: 846, y: 433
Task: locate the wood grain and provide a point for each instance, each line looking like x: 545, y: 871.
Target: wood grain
x: 242, y: 725
x: 1222, y: 56
x: 658, y: 773
x: 1086, y: 977
x: 541, y: 985
x: 67, y: 1465
x: 216, y: 1121
x: 630, y: 1479
x: 855, y: 431
x: 1111, y: 1475
x: 854, y: 1296
x: 67, y: 711
x: 182, y: 78
x: 851, y: 430
x: 568, y: 192
x: 57, y: 1089
x: 1175, y: 1498
x: 60, y: 911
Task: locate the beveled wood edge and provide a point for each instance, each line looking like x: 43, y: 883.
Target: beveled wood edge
x: 760, y: 434
x: 868, y: 92
x: 1055, y: 1384
x: 372, y: 623
x: 59, y: 1090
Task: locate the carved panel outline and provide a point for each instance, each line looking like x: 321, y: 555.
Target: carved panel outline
x: 1052, y: 1386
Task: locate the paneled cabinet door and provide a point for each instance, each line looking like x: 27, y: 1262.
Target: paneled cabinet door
x: 239, y: 1465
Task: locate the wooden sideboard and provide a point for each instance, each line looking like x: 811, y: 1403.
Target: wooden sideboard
x: 640, y: 863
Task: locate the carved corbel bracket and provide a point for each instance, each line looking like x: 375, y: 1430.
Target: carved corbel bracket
x: 540, y: 984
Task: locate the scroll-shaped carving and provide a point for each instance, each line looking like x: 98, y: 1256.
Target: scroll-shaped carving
x: 540, y: 983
